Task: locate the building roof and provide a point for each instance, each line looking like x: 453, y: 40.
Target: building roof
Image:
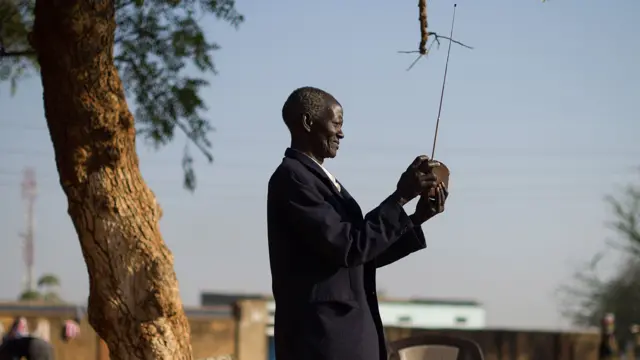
x: 434, y: 301
x: 70, y: 310
x: 215, y: 298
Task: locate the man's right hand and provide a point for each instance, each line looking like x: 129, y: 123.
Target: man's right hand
x: 415, y: 180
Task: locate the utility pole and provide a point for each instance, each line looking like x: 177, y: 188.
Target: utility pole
x: 29, y: 192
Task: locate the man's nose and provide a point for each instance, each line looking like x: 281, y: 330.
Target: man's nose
x: 340, y: 134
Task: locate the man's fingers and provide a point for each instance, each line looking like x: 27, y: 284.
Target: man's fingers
x: 418, y: 161
x: 442, y: 197
x: 432, y: 164
x: 428, y: 183
x: 428, y: 166
x: 443, y: 190
x: 427, y: 176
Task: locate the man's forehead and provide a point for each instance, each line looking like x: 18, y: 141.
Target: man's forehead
x: 333, y: 103
x: 336, y: 108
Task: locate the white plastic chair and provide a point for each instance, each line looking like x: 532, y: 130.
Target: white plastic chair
x: 435, y: 347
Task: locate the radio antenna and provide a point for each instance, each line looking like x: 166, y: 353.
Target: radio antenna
x: 444, y: 82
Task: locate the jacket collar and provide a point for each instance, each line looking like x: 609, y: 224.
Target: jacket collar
x: 313, y: 166
x: 346, y: 198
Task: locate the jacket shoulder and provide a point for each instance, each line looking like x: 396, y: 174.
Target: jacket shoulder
x: 287, y: 170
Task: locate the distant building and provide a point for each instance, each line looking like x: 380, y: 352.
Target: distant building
x: 411, y: 313
x: 433, y: 313
x: 216, y: 299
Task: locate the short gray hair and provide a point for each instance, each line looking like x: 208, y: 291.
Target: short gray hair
x: 306, y: 100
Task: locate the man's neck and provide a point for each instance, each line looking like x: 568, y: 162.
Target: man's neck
x: 307, y: 152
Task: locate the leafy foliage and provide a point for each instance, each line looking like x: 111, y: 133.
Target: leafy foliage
x: 590, y: 297
x: 48, y: 280
x: 46, y: 292
x: 157, y: 41
x: 16, y: 20
x: 30, y: 295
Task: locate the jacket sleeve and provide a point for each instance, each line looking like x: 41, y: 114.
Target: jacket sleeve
x: 347, y: 244
x: 409, y: 243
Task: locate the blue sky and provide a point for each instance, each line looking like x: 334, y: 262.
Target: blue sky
x: 540, y: 122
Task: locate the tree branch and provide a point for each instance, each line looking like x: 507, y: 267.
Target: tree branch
x: 195, y: 141
x: 438, y: 37
x: 436, y: 40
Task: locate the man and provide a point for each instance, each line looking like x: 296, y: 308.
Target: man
x: 18, y: 344
x: 71, y: 328
x: 323, y: 251
x: 27, y: 347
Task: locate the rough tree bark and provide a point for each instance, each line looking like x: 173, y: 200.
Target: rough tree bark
x: 134, y: 303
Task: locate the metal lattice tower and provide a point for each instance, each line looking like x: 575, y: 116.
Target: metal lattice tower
x: 29, y: 193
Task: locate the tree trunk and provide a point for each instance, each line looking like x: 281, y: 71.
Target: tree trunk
x: 134, y: 302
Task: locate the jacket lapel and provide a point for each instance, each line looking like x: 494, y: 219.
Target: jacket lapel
x: 315, y: 168
x: 351, y: 203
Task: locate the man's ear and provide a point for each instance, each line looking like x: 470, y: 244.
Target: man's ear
x: 307, y: 122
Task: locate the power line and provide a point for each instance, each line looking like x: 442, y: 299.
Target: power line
x: 525, y: 167
x: 566, y: 190
x: 506, y: 174
x: 484, y: 152
x: 23, y: 127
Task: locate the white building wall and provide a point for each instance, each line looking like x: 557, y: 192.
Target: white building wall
x: 422, y: 316
x: 425, y: 316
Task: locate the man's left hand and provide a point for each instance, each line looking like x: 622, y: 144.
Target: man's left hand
x: 429, y: 207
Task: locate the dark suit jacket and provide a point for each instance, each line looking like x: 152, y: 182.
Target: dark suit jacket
x: 324, y: 254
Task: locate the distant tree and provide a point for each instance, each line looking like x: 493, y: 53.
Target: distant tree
x: 30, y: 295
x: 49, y: 285
x: 47, y: 290
x: 48, y: 281
x: 590, y: 296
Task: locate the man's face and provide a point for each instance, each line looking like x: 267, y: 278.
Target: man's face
x: 327, y: 132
